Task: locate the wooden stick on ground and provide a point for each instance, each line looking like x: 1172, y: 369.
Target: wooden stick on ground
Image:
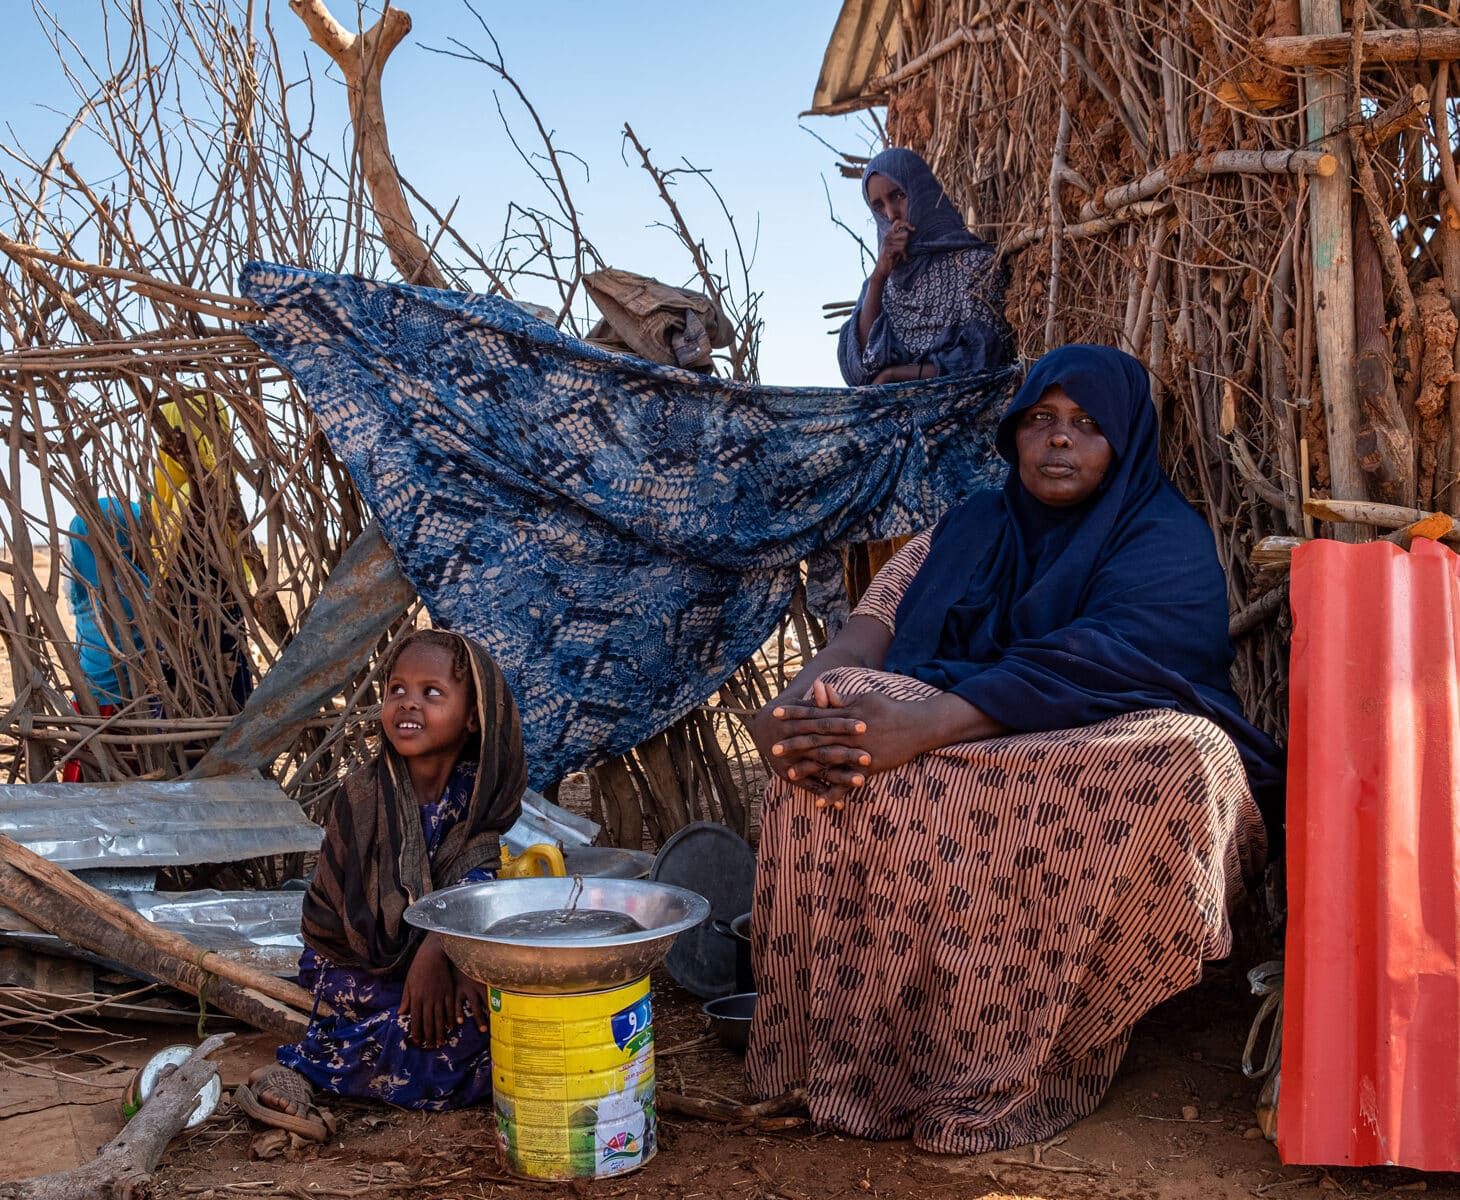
x: 123, y: 1169
x: 730, y: 1114
x: 58, y: 902
x: 65, y: 884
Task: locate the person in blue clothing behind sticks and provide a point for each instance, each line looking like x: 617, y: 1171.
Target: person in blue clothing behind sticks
x: 407, y: 1028
x: 934, y: 303
x: 104, y: 646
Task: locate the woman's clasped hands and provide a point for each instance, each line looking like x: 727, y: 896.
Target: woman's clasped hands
x: 831, y: 746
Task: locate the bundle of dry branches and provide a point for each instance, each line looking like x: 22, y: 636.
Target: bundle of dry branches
x: 123, y: 376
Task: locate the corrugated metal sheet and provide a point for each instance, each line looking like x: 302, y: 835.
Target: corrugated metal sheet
x: 1371, y: 1038
x: 862, y: 46
x: 137, y: 824
x: 544, y: 821
x: 259, y: 929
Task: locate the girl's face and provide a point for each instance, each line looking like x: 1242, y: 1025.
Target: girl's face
x: 1063, y: 456
x: 426, y: 710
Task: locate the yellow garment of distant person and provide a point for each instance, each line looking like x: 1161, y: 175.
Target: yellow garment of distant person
x: 172, y: 484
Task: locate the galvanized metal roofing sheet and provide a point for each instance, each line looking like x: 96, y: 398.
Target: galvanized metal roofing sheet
x: 863, y: 41
x: 136, y: 824
x: 1371, y: 1024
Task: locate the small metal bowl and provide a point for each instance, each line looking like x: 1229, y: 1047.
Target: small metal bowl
x: 730, y: 1018
x: 548, y: 966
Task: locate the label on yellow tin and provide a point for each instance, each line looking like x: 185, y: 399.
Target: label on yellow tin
x: 573, y: 1080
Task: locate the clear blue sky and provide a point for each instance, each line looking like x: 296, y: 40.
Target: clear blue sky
x: 718, y: 84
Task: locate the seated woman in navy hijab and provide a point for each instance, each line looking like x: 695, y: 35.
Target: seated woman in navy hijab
x: 934, y: 303
x: 1011, y: 800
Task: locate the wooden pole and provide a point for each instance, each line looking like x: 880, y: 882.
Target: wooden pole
x: 1370, y: 512
x: 361, y: 60
x: 1323, y: 45
x: 1385, y: 452
x: 1330, y: 237
x: 1218, y: 162
x: 968, y: 34
x: 86, y: 918
x: 65, y: 885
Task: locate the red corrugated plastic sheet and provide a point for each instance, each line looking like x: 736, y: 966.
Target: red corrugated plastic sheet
x: 1371, y: 1022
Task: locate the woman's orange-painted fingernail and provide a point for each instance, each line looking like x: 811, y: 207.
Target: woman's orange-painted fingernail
x: 865, y: 760
x: 790, y: 772
x: 840, y: 804
x: 861, y: 726
x: 857, y: 781
x: 778, y: 712
x: 820, y: 801
x: 778, y: 749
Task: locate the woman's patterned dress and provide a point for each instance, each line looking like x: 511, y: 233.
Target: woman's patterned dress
x: 959, y: 956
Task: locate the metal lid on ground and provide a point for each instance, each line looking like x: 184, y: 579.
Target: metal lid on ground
x: 719, y: 864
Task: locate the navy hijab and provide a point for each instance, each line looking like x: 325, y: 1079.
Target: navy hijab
x: 938, y: 229
x: 1052, y: 618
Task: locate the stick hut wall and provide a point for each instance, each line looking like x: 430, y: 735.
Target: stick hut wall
x: 1260, y: 203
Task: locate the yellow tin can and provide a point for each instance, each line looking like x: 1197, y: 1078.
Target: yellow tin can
x: 573, y: 1081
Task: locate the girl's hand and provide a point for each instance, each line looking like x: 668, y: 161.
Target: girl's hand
x: 428, y: 1001
x: 470, y: 998
x: 893, y: 249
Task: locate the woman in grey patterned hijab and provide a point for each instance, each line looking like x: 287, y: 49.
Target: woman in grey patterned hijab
x: 934, y: 303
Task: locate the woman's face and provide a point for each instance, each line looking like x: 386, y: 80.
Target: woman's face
x: 886, y: 198
x: 1063, y: 456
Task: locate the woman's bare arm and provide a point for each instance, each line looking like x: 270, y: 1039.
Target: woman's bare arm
x: 862, y: 642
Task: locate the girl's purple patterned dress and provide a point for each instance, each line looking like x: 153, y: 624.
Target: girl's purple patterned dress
x: 362, y: 1050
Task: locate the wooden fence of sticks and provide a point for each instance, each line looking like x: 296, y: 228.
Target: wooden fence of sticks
x: 123, y: 375
x: 1260, y: 204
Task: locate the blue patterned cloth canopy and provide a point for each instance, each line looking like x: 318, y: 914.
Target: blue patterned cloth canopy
x: 620, y: 535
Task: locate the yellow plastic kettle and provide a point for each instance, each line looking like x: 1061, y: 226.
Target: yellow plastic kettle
x: 541, y: 859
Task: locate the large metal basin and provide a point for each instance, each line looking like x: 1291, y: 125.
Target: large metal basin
x: 548, y: 965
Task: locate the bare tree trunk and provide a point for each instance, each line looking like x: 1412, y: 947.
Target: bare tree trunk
x: 1384, y: 445
x: 361, y: 60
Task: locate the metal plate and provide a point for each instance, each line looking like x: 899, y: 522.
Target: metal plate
x: 150, y: 1076
x: 607, y: 862
x: 719, y: 864
x: 545, y: 965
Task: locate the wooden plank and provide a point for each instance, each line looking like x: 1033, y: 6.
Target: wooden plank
x: 1330, y: 237
x: 1325, y: 45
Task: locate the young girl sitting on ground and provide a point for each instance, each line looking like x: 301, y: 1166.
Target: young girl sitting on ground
x: 407, y: 1027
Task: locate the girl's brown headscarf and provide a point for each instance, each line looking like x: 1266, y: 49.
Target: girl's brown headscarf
x: 374, y: 864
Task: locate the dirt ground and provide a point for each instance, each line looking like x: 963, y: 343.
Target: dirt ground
x: 58, y: 1101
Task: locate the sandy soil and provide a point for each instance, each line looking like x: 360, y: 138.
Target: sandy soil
x: 1136, y: 1147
